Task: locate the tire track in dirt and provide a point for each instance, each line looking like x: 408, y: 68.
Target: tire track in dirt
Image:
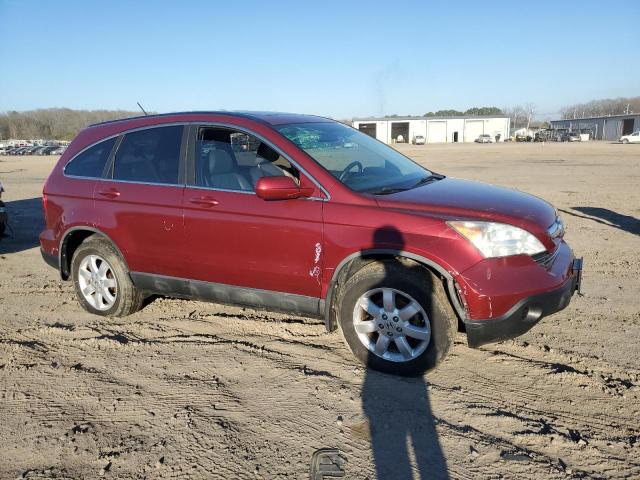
x: 187, y: 389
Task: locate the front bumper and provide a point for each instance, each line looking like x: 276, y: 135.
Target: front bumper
x: 51, y: 260
x: 526, y: 313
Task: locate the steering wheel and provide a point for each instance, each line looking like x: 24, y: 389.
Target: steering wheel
x: 344, y: 172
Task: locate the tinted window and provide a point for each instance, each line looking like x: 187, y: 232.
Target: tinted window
x: 151, y: 155
x: 232, y: 160
x: 90, y: 163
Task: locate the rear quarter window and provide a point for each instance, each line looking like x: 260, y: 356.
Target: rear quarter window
x: 91, y: 162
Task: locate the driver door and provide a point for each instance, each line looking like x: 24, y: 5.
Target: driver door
x: 235, y: 238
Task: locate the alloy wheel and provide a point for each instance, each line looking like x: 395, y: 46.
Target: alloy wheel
x: 391, y: 324
x: 98, y: 283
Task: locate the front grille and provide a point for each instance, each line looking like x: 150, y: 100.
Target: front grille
x: 545, y: 259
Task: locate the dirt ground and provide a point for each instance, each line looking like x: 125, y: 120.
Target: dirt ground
x: 186, y: 389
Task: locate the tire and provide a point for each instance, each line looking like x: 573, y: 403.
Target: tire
x: 625, y: 141
x: 127, y: 299
x: 409, y: 283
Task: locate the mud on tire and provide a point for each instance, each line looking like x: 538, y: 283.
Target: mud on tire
x: 411, y: 281
x: 128, y: 299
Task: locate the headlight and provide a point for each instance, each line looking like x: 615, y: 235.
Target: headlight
x: 498, y: 239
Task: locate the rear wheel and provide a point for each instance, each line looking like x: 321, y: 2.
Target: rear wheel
x: 397, y: 318
x: 101, y: 280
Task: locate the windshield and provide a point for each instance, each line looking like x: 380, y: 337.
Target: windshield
x: 357, y: 160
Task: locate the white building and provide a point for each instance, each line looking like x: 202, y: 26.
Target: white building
x: 434, y: 129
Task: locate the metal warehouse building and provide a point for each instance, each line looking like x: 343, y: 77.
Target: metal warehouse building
x: 433, y: 129
x: 601, y: 128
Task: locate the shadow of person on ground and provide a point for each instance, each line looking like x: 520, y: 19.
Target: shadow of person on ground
x: 608, y: 217
x: 402, y: 427
x: 25, y: 222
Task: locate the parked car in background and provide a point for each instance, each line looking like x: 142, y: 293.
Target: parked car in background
x: 50, y: 147
x: 25, y: 150
x: 419, y: 140
x: 524, y: 138
x: 571, y: 137
x: 58, y: 151
x: 633, y: 138
x: 48, y: 150
x: 484, y: 138
x: 543, y: 135
x: 393, y: 254
x: 3, y: 212
x: 19, y: 151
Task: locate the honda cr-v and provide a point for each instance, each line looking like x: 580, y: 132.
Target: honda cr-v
x: 304, y: 215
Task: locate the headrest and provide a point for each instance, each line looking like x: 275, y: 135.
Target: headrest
x: 220, y: 162
x: 266, y: 152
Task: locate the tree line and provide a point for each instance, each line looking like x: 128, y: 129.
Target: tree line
x: 65, y: 123
x: 459, y: 113
x: 604, y: 107
x: 54, y: 123
x: 469, y: 112
x: 520, y: 115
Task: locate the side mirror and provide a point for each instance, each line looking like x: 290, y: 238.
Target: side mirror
x: 279, y: 188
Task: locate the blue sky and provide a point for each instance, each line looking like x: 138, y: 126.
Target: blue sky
x: 335, y: 58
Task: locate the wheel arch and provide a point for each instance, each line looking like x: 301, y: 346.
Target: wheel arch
x: 72, y: 239
x: 357, y: 260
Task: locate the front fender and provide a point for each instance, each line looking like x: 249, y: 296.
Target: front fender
x: 440, y: 267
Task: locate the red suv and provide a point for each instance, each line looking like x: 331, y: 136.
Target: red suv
x: 305, y: 215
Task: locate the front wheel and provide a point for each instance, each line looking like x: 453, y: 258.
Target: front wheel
x: 101, y: 280
x: 625, y: 141
x: 396, y: 318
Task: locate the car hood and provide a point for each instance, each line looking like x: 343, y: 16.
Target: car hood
x: 464, y: 199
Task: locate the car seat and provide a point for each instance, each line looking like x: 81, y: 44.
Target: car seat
x: 265, y: 156
x: 223, y: 172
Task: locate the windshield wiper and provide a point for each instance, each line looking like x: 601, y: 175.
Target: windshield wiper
x: 388, y: 190
x: 423, y: 181
x: 428, y: 179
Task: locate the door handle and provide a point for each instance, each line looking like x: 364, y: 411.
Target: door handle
x: 109, y: 193
x: 204, y: 201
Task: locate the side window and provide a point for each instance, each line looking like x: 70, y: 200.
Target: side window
x: 90, y: 163
x: 233, y: 160
x: 151, y: 155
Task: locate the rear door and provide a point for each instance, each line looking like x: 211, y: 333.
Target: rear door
x: 235, y: 238
x: 139, y: 204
